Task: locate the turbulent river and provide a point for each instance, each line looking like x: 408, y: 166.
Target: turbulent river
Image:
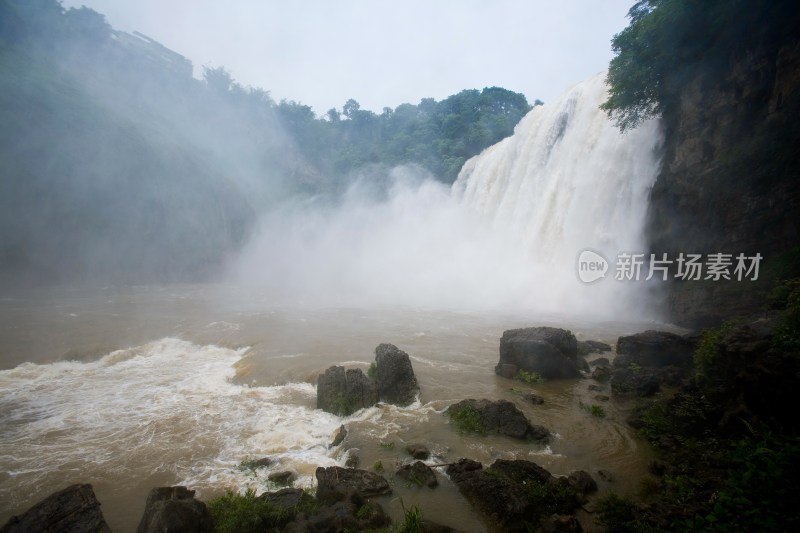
x: 133, y: 388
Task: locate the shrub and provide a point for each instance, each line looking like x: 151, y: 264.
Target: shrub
x: 467, y: 419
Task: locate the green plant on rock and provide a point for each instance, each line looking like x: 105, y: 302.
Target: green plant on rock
x: 343, y: 406
x: 706, y: 351
x: 372, y: 371
x: 378, y: 466
x: 387, y: 445
x: 621, y: 515
x: 467, y: 419
x: 594, y: 410
x: 531, y: 378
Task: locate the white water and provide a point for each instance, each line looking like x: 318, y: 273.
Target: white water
x: 567, y: 180
x: 507, y: 235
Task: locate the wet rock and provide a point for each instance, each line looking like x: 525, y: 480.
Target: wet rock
x: 560, y: 524
x: 395, y: 377
x: 174, y: 509
x: 595, y: 388
x: 286, y: 499
x: 353, y: 458
x: 601, y: 374
x: 657, y: 467
x: 600, y: 361
x: 582, y: 482
x: 260, y: 463
x: 343, y: 392
x: 587, y: 347
x: 418, y: 451
x: 643, y: 383
x: 74, y: 508
x: 602, y: 398
x: 339, y: 437
x: 419, y: 474
x: 535, y: 399
x: 583, y: 366
x: 550, y: 352
x: 654, y: 349
x: 284, y: 477
x: 514, y: 495
x: 334, y: 483
x: 352, y: 513
x: 501, y: 417
x: 606, y: 476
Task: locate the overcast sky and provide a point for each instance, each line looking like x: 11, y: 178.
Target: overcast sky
x: 382, y: 53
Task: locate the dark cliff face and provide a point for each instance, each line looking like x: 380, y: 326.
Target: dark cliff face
x: 729, y: 181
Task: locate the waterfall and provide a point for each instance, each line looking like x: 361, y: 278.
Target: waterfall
x: 565, y: 181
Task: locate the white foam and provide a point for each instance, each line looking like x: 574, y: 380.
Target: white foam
x: 167, y: 406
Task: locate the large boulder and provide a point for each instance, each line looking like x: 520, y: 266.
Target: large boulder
x: 73, y: 509
x: 174, y: 509
x: 394, y: 375
x: 550, y: 352
x: 343, y: 392
x: 335, y: 484
x: 513, y: 495
x: 501, y: 417
x: 655, y: 349
x: 419, y: 474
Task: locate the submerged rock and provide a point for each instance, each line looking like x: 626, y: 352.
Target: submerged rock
x: 418, y: 451
x: 335, y: 483
x: 394, y: 375
x: 343, y: 392
x: 74, y: 508
x: 419, y: 474
x: 500, y: 417
x: 174, y: 509
x: 550, y: 352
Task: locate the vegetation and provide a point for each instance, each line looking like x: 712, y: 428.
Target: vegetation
x: 706, y: 350
x: 412, y: 521
x: 246, y: 513
x: 372, y: 371
x: 530, y: 378
x: 671, y: 41
x: 387, y: 445
x: 378, y: 466
x: 467, y: 419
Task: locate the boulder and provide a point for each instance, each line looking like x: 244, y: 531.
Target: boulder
x: 284, y: 477
x: 351, y: 514
x: 418, y: 451
x: 73, y: 509
x: 655, y: 349
x: 501, y: 417
x: 394, y: 375
x: 534, y: 399
x: 550, y: 352
x: 515, y: 495
x: 335, y: 484
x: 343, y: 392
x: 601, y: 373
x: 339, y: 436
x: 419, y: 474
x: 600, y: 361
x: 174, y: 509
x: 587, y: 347
x: 582, y: 482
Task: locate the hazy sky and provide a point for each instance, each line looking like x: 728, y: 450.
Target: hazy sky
x: 382, y: 53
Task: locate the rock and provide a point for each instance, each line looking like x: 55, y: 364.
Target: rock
x: 284, y: 477
x: 260, y: 463
x: 418, y: 451
x: 352, y: 513
x: 557, y: 523
x: 654, y: 349
x: 550, y: 352
x: 583, y: 366
x: 286, y: 499
x: 338, y: 438
x: 334, y: 483
x: 395, y: 377
x: 174, y: 509
x: 535, y: 399
x: 501, y: 417
x: 657, y: 467
x: 606, y: 476
x: 582, y: 482
x: 73, y: 509
x: 600, y: 361
x: 419, y: 474
x: 596, y: 388
x: 353, y: 458
x: 602, y: 398
x: 343, y: 392
x: 601, y: 374
x: 587, y: 347
x: 514, y: 495
x: 625, y: 381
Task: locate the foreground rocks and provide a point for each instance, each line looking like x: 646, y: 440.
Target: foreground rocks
x: 499, y: 417
x: 73, y: 509
x: 175, y: 509
x: 344, y: 391
x: 335, y: 483
x: 517, y: 495
x: 550, y: 352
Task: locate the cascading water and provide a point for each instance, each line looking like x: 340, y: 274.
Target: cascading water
x: 568, y: 180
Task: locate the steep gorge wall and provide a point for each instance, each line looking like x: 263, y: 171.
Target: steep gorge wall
x: 729, y: 180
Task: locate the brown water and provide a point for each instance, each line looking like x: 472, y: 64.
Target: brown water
x: 132, y: 388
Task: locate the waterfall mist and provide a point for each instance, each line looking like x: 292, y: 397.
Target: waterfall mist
x: 505, y: 236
